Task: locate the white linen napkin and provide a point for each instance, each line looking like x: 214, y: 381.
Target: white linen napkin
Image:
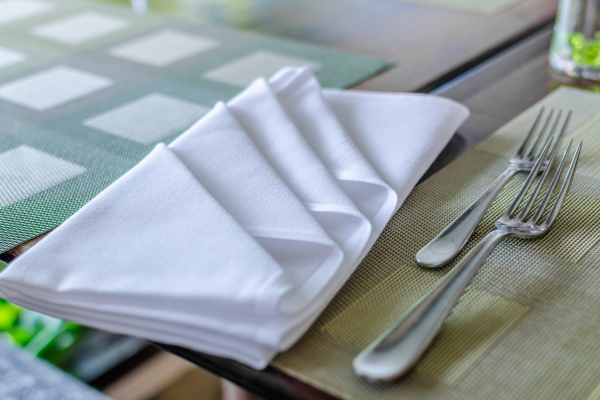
x: 139, y: 243
x: 300, y: 94
x: 225, y: 161
x: 146, y: 225
x: 242, y: 173
x: 265, y: 120
x: 261, y: 115
x: 160, y: 327
x: 363, y: 137
x: 400, y: 134
x: 159, y: 232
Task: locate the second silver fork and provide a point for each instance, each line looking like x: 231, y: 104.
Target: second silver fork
x: 443, y: 248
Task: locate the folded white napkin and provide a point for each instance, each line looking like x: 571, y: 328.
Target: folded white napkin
x: 225, y: 161
x: 300, y: 94
x: 399, y: 134
x: 121, y: 236
x: 266, y: 122
x: 233, y: 240
x: 140, y: 243
x: 362, y: 137
x: 155, y: 210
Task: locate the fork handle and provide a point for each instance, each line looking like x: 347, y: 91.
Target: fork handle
x: 441, y: 250
x: 399, y: 348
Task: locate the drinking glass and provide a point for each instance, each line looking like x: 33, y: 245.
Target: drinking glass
x: 575, y: 49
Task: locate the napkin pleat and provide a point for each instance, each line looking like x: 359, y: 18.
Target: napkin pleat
x: 300, y: 94
x: 225, y: 160
x: 218, y: 343
x: 258, y: 110
x: 380, y: 124
x: 234, y: 238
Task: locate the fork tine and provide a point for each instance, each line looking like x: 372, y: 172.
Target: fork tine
x: 542, y: 133
x: 564, y: 127
x: 548, y: 196
x: 542, y: 180
x: 564, y: 190
x: 529, y: 181
x: 523, y: 147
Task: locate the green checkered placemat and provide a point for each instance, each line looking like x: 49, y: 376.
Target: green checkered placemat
x: 527, y: 327
x: 88, y: 89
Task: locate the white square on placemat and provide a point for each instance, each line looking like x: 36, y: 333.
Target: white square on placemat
x: 10, y: 57
x: 14, y: 10
x: 52, y: 87
x: 148, y: 119
x: 243, y: 71
x: 80, y: 28
x: 163, y: 48
x: 25, y: 171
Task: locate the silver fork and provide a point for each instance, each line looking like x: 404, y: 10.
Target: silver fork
x: 442, y: 249
x: 400, y: 347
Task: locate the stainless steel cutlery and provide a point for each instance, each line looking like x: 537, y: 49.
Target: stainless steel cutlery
x: 398, y: 349
x: 451, y: 241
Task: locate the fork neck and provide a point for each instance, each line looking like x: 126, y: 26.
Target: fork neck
x: 466, y: 269
x: 495, y: 237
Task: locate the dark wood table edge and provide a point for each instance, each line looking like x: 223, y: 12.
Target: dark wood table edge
x: 270, y: 383
x: 494, y: 68
x: 504, y: 50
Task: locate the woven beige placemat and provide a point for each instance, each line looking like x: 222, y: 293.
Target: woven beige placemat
x: 528, y: 326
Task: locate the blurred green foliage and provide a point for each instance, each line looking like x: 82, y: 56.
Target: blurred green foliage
x: 586, y: 52
x: 583, y: 51
x: 47, y: 337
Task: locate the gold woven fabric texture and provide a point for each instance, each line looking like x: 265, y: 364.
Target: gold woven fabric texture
x: 528, y: 326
